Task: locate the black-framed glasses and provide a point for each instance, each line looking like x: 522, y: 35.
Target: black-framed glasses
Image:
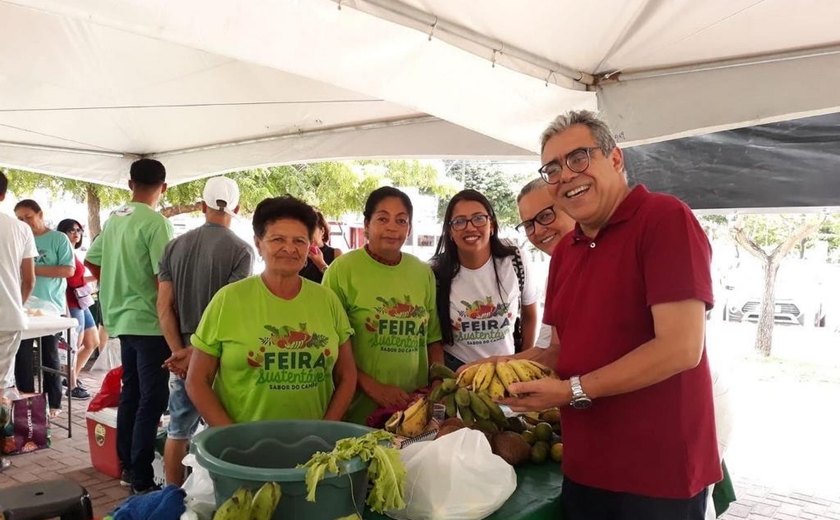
x: 577, y: 161
x: 77, y: 230
x: 460, y: 223
x: 545, y: 217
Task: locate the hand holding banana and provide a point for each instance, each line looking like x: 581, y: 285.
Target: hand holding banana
x: 538, y: 395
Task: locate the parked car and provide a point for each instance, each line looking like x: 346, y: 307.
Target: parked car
x: 787, y: 311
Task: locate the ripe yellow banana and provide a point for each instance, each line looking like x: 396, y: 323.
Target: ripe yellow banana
x: 414, y: 419
x: 467, y: 375
x: 538, y: 368
x: 265, y: 501
x: 483, y: 377
x: 496, y: 389
x: 236, y: 507
x: 507, y: 375
x: 521, y: 369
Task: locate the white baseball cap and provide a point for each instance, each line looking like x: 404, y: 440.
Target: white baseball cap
x: 221, y: 193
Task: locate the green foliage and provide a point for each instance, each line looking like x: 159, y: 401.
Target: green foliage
x: 23, y: 184
x: 494, y: 183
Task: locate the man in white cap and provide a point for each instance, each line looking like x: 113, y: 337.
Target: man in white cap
x: 193, y: 268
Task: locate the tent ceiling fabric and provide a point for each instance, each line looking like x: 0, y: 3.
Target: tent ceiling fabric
x: 86, y: 86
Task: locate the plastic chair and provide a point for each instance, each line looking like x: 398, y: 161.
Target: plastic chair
x: 48, y: 499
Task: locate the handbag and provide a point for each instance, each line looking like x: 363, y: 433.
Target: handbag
x: 84, y: 296
x: 29, y: 428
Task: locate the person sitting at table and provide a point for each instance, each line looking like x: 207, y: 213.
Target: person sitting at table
x: 389, y: 297
x: 273, y: 346
x: 483, y: 285
x: 52, y: 268
x: 321, y: 254
x: 79, y: 300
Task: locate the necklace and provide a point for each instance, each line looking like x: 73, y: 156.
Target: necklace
x: 382, y: 260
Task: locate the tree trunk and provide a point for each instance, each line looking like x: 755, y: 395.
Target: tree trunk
x: 766, y: 317
x: 171, y: 211
x: 93, y: 207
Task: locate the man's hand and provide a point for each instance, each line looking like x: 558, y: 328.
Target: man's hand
x: 535, y: 396
x: 388, y: 396
x: 178, y: 362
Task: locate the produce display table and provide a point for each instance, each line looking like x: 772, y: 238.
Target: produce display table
x: 537, y: 495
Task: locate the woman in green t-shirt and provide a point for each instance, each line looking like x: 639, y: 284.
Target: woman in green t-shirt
x: 274, y: 346
x: 389, y: 297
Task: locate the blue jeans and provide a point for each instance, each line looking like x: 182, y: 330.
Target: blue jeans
x: 183, y: 417
x: 145, y: 393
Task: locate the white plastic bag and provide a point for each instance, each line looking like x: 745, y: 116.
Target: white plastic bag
x: 456, y: 477
x: 109, y: 357
x: 201, y: 498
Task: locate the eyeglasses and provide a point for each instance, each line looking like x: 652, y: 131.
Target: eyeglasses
x: 545, y: 217
x: 77, y: 230
x: 577, y: 161
x: 460, y: 223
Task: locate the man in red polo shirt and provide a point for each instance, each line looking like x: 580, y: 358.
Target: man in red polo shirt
x: 627, y: 295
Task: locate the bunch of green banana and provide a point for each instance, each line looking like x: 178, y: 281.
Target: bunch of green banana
x: 245, y: 505
x: 494, y: 378
x: 412, y: 421
x: 471, y: 406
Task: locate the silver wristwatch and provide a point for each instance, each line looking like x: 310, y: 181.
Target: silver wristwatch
x: 580, y: 400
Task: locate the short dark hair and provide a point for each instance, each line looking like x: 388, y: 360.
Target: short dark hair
x: 28, y: 203
x: 66, y: 225
x: 148, y: 172
x: 4, y: 184
x: 285, y: 207
x: 380, y: 194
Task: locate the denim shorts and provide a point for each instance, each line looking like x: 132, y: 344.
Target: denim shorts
x: 84, y: 318
x: 183, y: 417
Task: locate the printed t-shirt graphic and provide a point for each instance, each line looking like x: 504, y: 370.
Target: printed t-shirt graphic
x: 391, y: 309
x: 481, y: 318
x: 276, y: 356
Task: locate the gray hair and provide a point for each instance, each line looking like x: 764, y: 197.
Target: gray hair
x: 599, y: 129
x: 534, y: 185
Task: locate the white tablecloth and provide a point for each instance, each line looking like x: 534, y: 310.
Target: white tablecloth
x: 37, y: 326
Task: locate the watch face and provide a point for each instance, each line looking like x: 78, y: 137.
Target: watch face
x: 581, y: 403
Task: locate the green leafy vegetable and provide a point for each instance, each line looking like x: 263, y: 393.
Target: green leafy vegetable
x: 385, y: 469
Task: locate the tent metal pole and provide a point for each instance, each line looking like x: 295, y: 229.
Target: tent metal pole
x: 726, y: 64
x: 453, y: 33
x: 374, y: 125
x: 82, y: 151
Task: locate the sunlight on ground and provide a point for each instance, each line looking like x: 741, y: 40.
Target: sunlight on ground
x: 786, y: 407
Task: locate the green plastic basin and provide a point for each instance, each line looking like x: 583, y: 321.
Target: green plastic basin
x: 250, y: 454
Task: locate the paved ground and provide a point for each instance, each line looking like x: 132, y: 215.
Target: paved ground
x: 69, y: 458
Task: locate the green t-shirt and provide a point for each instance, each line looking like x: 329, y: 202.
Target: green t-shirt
x: 54, y: 249
x: 392, y: 310
x: 276, y: 356
x: 128, y: 251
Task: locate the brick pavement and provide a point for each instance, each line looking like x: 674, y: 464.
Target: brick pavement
x: 69, y: 458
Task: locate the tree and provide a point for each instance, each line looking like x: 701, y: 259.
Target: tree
x: 493, y: 183
x: 335, y: 188
x: 770, y: 238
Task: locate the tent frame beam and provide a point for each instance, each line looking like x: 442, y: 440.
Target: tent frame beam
x: 456, y: 34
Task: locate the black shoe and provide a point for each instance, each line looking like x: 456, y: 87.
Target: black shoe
x: 125, y: 478
x: 78, y: 393
x: 64, y: 381
x: 146, y: 490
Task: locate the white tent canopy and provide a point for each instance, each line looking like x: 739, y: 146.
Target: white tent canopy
x: 210, y: 86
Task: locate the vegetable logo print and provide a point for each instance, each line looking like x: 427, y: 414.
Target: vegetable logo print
x: 291, y: 358
x: 397, y: 326
x: 481, y: 321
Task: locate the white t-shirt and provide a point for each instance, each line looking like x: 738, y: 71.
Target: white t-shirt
x: 482, y: 320
x: 543, y: 336
x: 16, y: 243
